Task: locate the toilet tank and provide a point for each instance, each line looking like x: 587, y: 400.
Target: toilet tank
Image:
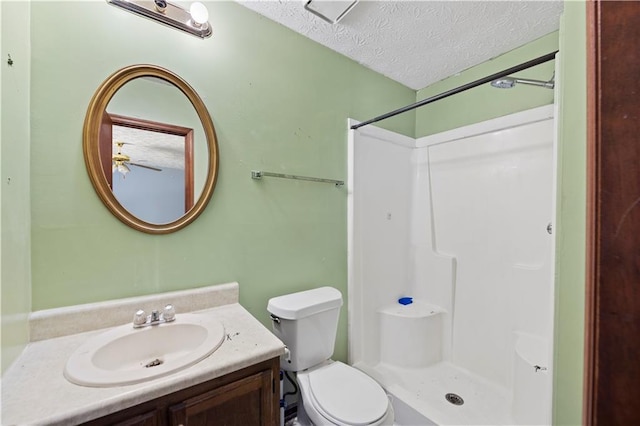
x: 307, y: 323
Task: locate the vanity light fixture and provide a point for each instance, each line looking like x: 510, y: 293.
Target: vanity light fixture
x: 193, y: 21
x: 331, y: 11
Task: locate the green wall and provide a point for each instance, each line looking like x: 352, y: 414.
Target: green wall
x: 485, y: 102
x: 571, y: 221
x: 279, y: 102
x: 14, y: 135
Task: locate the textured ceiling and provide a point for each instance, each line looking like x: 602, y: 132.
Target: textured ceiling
x: 420, y: 42
x: 149, y: 148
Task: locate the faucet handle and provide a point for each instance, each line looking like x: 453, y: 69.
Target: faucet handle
x: 139, y: 318
x: 169, y: 313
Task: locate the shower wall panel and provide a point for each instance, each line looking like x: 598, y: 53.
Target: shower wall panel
x: 491, y: 204
x: 381, y: 221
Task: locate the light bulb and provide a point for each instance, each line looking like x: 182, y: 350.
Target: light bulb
x: 199, y: 13
x: 122, y: 168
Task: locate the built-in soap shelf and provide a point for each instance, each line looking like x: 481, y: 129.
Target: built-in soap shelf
x: 416, y: 309
x: 411, y: 335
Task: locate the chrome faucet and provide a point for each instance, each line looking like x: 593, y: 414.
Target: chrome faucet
x: 140, y: 319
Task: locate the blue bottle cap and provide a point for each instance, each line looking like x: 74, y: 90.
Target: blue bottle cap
x: 405, y: 300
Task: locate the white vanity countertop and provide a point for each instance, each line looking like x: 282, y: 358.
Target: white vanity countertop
x: 35, y: 392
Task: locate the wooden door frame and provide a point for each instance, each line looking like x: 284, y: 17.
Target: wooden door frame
x: 155, y: 126
x: 612, y: 329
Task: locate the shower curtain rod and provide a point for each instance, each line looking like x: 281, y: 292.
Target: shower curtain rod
x: 523, y: 66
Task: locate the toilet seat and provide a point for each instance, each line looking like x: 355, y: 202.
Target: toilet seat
x: 346, y: 396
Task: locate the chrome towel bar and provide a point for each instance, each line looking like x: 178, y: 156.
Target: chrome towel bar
x: 257, y: 174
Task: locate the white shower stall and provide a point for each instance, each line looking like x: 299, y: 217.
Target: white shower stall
x: 461, y: 222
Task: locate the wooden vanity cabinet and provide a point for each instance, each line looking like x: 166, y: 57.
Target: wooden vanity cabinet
x: 243, y: 398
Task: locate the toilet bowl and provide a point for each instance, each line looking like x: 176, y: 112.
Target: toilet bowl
x: 337, y: 394
x: 331, y: 392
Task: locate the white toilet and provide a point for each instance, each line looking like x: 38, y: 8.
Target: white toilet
x: 332, y: 393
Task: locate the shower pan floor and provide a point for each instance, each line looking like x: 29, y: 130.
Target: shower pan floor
x: 424, y: 390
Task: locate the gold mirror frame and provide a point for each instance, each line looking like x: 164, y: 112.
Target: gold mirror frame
x: 91, y: 138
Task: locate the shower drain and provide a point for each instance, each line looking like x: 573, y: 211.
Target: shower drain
x: 454, y: 399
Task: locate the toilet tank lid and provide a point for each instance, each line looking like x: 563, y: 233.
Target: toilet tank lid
x: 304, y: 303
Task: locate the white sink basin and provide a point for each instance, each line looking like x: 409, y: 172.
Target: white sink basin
x: 125, y: 355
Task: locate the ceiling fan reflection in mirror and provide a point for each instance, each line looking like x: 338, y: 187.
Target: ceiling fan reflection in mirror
x: 121, y: 162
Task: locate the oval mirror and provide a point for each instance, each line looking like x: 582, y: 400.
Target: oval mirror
x: 150, y: 149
